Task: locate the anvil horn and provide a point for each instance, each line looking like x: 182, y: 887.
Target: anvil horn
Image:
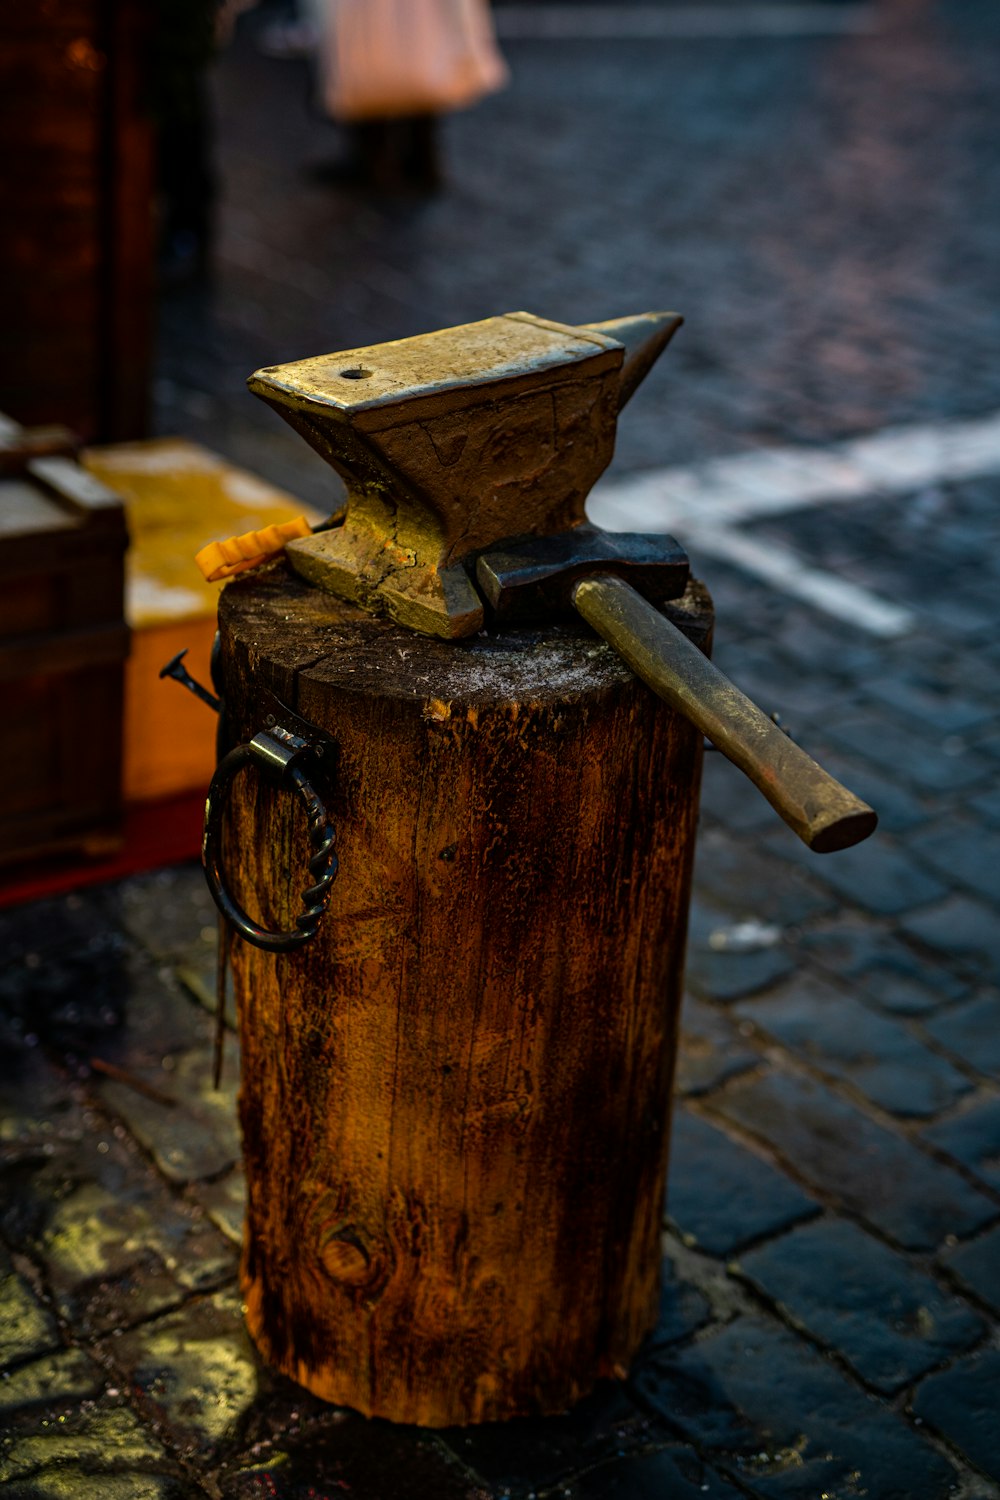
x: 645, y: 337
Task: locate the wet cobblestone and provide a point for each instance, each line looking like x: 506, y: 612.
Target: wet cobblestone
x: 826, y: 213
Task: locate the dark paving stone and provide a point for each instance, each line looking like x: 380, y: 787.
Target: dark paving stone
x: 892, y: 1322
x: 198, y: 1137
x: 64, y: 975
x: 842, y: 1037
x: 683, y: 1310
x: 924, y: 702
x: 720, y: 1194
x: 963, y: 853
x: 922, y: 760
x: 739, y: 878
x: 676, y: 1472
x: 353, y: 1457
x: 987, y: 805
x: 876, y: 876
x: 38, y: 1106
x: 876, y: 1174
x: 973, y: 1138
x: 717, y: 972
x: 68, y: 1376
x: 788, y: 1420
x: 524, y: 1456
x: 106, y: 1441
x: 971, y: 1031
x: 961, y: 1404
x: 196, y: 1370
x: 170, y: 912
x: 114, y: 1246
x: 965, y: 930
x: 888, y: 971
x: 27, y: 1329
x: 977, y: 1264
x: 71, y: 1481
x: 711, y: 1049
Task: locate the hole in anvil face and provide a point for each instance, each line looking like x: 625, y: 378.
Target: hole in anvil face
x: 357, y: 373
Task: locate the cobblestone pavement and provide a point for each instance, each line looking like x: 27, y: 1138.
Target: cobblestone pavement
x: 826, y: 212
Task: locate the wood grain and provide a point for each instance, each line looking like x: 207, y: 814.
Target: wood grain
x: 455, y: 1102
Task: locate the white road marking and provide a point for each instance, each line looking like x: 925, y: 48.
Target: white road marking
x: 705, y: 503
x: 563, y: 23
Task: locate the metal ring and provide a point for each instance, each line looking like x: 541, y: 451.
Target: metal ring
x: 323, y: 864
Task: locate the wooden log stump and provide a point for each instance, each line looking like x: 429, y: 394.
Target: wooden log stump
x: 455, y: 1101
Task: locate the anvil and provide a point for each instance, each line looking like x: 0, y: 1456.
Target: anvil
x: 452, y: 441
x: 469, y: 454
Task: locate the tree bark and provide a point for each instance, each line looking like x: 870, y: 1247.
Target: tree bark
x: 455, y: 1101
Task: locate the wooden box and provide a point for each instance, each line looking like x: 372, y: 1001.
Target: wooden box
x: 178, y: 496
x: 63, y: 643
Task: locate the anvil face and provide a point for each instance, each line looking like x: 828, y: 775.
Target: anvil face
x: 515, y: 347
x: 448, y: 442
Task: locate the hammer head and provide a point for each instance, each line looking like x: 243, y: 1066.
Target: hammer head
x: 450, y: 442
x: 533, y: 579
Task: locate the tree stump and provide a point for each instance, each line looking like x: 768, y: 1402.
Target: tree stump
x: 455, y: 1101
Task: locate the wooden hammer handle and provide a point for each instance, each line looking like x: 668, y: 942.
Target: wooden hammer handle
x: 824, y: 814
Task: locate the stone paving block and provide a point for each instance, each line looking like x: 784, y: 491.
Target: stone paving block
x: 69, y: 1481
x: 198, y: 1136
x: 66, y: 1376
x: 963, y: 854
x: 341, y: 1458
x: 742, y: 880
x: 528, y: 1455
x: 196, y: 1372
x: 720, y: 1194
x: 878, y: 1175
x: 159, y: 1023
x: 971, y: 1031
x: 961, y: 1404
x: 27, y: 1329
x: 38, y: 1104
x: 224, y: 1201
x: 924, y: 702
x: 843, y: 1038
x: 675, y: 1473
x: 965, y: 930
x: 862, y: 1300
x: 934, y: 762
x: 108, y: 1235
x: 889, y: 971
x: 986, y: 805
x: 977, y: 1265
x: 107, y: 1439
x: 877, y: 876
x: 683, y: 1309
x: 65, y: 975
x: 170, y: 912
x: 711, y: 1049
x: 788, y: 1422
x: 973, y: 1137
x: 721, y: 965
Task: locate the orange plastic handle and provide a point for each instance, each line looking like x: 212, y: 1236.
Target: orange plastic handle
x: 236, y: 553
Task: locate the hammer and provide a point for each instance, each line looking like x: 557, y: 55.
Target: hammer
x: 450, y: 442
x: 593, y: 572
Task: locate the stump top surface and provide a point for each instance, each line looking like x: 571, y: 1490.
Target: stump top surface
x: 295, y: 628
